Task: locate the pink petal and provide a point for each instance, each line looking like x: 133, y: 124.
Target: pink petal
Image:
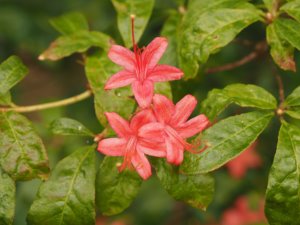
x: 154, y: 51
x: 142, y: 165
x: 153, y: 149
x: 141, y: 118
x: 193, y: 126
x: 174, y: 151
x: 184, y: 109
x: 162, y: 73
x: 112, y: 146
x: 163, y: 108
x: 143, y: 92
x: 118, y: 124
x: 152, y: 131
x: 122, y: 56
x: 120, y: 79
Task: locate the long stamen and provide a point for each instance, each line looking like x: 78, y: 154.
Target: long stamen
x: 129, y: 152
x: 175, y: 135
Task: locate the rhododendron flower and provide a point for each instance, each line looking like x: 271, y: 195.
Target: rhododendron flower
x: 242, y: 214
x: 129, y: 144
x: 174, y: 125
x: 141, y: 69
x: 247, y: 159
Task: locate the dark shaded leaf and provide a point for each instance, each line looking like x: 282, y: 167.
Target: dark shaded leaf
x: 283, y: 196
x: 22, y: 153
x: 12, y: 70
x: 115, y: 190
x: 69, y: 23
x: 226, y: 140
x: 7, y: 198
x: 195, y: 190
x: 67, y: 126
x: 68, y: 197
x: 142, y: 11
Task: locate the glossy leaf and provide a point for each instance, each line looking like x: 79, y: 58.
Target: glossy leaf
x: 281, y: 51
x: 67, y: 126
x: 68, y: 197
x: 195, y: 190
x: 294, y: 112
x: 69, y: 23
x: 289, y: 30
x: 115, y: 190
x: 7, y: 198
x: 283, y: 196
x: 226, y: 140
x: 170, y: 31
x: 293, y: 99
x: 214, y: 104
x: 12, y: 70
x: 22, y: 153
x: 208, y: 26
x: 293, y: 9
x: 248, y: 95
x: 142, y: 11
x: 80, y: 42
x: 98, y: 69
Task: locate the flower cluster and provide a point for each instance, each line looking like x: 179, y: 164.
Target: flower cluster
x: 159, y: 128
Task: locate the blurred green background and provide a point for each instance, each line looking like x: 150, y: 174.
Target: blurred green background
x: 25, y: 31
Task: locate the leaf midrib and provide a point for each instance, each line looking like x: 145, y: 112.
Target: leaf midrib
x: 71, y: 185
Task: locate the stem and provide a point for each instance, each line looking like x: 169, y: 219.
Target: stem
x: 259, y: 49
x: 32, y: 108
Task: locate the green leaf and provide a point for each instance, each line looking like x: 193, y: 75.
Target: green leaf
x: 163, y: 88
x: 80, y: 42
x: 226, y: 140
x: 208, y: 26
x: 293, y: 99
x: 272, y: 5
x: 98, y: 69
x: 195, y: 190
x: 247, y: 95
x: 67, y: 126
x: 68, y: 197
x: 293, y: 9
x: 283, y: 196
x: 115, y: 190
x: 170, y: 31
x: 22, y: 153
x: 12, y: 70
x: 7, y: 196
x: 142, y: 11
x: 281, y: 51
x: 5, y: 99
x: 69, y: 23
x: 293, y: 112
x: 215, y: 103
x: 289, y: 30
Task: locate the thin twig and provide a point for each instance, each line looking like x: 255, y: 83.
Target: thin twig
x: 31, y: 108
x: 280, y: 86
x: 259, y: 49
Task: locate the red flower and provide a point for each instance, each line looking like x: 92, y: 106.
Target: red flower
x: 247, y: 159
x: 242, y: 214
x: 174, y: 126
x: 129, y: 144
x: 141, y: 69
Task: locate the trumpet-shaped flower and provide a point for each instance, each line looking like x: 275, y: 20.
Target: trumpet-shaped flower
x: 140, y: 69
x: 129, y: 144
x: 174, y: 126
